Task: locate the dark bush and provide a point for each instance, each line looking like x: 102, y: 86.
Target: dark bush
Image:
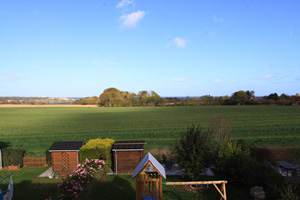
x: 13, y: 157
x: 235, y: 164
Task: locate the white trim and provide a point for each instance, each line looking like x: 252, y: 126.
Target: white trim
x: 127, y: 149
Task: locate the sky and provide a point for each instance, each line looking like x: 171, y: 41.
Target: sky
x: 78, y: 48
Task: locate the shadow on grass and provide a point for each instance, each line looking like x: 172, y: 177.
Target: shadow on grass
x: 114, y: 187
x: 26, y: 190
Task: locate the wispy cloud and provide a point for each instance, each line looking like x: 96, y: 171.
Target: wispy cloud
x: 179, y: 42
x: 218, y: 81
x: 11, y: 76
x: 106, y: 62
x: 124, y: 3
x: 179, y: 79
x: 267, y: 76
x: 107, y: 69
x: 131, y: 20
x: 218, y: 19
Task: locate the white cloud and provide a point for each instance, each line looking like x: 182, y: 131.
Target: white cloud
x: 180, y: 79
x: 179, y: 42
x: 131, y: 20
x: 107, y: 69
x: 218, y: 81
x: 267, y: 76
x: 124, y: 3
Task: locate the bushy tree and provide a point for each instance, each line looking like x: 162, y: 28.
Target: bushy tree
x: 193, y: 151
x: 234, y: 164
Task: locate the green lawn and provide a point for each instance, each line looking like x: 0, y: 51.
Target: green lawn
x: 123, y: 187
x: 35, y: 129
x: 27, y: 186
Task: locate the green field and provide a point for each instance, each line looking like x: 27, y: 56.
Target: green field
x: 35, y: 129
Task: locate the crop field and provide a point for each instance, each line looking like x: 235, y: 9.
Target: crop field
x: 36, y: 128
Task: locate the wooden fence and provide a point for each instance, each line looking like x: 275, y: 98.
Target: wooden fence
x: 34, y: 162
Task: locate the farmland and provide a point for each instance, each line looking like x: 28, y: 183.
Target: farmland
x: 36, y: 128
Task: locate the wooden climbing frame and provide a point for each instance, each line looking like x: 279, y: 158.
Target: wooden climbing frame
x: 214, y: 183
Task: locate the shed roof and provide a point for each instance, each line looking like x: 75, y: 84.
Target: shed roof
x: 126, y: 145
x: 157, y: 166
x: 286, y: 165
x: 66, y: 146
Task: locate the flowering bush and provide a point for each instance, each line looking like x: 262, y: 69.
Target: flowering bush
x: 97, y: 149
x: 71, y: 187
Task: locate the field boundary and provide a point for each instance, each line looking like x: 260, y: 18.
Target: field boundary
x: 46, y: 106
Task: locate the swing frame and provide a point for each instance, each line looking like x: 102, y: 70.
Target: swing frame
x: 222, y: 192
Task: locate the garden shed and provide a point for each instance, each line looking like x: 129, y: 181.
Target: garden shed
x: 127, y: 155
x: 65, y: 156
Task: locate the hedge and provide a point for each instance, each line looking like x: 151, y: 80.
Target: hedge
x: 97, y: 149
x: 12, y: 157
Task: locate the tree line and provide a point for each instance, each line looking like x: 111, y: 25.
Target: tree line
x: 112, y: 97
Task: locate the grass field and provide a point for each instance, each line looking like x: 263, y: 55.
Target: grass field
x: 36, y: 128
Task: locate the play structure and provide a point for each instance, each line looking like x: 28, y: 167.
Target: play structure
x: 149, y: 175
x: 7, y: 194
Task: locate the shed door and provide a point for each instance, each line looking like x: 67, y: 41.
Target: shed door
x: 65, y: 160
x: 127, y: 161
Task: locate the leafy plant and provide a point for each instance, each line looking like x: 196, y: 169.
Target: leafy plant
x: 290, y: 192
x: 193, y: 151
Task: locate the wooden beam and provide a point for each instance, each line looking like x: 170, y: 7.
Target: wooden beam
x: 219, y: 191
x: 195, y: 183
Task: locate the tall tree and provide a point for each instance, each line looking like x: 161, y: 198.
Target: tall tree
x: 194, y: 151
x: 110, y: 97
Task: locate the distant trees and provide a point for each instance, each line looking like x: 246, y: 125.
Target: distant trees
x: 87, y: 101
x: 113, y: 97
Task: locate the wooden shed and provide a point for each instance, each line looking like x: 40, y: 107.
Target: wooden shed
x: 127, y: 155
x: 65, y: 156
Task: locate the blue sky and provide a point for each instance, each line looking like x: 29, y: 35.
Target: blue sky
x: 62, y: 48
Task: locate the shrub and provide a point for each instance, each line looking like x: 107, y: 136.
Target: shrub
x: 97, y: 149
x: 235, y: 164
x: 12, y: 157
x: 74, y: 185
x: 194, y: 151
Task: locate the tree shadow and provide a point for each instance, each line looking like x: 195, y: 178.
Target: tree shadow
x: 4, y: 145
x: 118, y: 188
x: 26, y: 190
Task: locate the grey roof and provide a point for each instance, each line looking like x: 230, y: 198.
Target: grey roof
x: 131, y: 142
x: 158, y: 167
x: 132, y: 145
x: 66, y: 146
x: 286, y: 165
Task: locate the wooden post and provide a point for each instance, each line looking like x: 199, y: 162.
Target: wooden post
x: 137, y: 187
x: 160, y: 189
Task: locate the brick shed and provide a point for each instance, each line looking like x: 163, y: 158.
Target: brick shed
x: 65, y: 156
x: 127, y: 155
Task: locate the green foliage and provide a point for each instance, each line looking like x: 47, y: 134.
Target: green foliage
x: 234, y: 164
x: 12, y: 157
x: 194, y: 151
x: 97, y: 149
x: 240, y: 97
x: 290, y: 192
